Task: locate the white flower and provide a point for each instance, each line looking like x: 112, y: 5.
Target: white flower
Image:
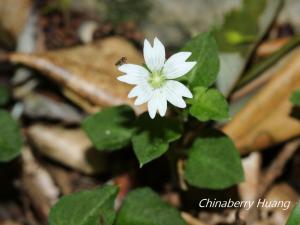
x: 155, y: 85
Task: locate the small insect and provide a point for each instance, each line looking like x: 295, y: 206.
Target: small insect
x: 121, y: 61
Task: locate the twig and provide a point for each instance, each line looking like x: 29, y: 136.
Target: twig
x: 276, y: 168
x: 272, y: 173
x: 180, y: 170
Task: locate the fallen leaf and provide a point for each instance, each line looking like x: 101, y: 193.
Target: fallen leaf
x: 280, y: 192
x: 71, y: 148
x: 38, y: 184
x: 40, y: 106
x: 13, y: 16
x: 252, y: 170
x: 266, y: 119
x: 88, y: 71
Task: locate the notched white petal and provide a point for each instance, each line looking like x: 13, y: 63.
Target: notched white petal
x: 154, y: 57
x: 162, y: 107
x: 174, y: 91
x: 132, y: 79
x: 132, y: 69
x: 141, y: 99
x: 157, y: 103
x: 143, y: 92
x: 179, y: 88
x: 152, y: 108
x: 178, y: 58
x: 144, y: 96
x: 136, y: 91
x: 173, y: 71
x: 160, y: 53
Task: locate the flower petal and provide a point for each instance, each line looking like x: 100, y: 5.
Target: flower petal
x: 154, y: 104
x: 154, y: 57
x: 174, y: 91
x: 162, y: 107
x: 179, y: 57
x: 132, y: 69
x: 132, y: 79
x: 143, y: 93
x: 134, y: 74
x: 176, y: 66
x: 179, y: 88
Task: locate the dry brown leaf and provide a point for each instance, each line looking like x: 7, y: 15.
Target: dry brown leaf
x: 9, y: 222
x: 280, y: 192
x: 269, y: 47
x: 88, y: 71
x: 266, y: 119
x: 13, y: 16
x: 70, y: 147
x: 252, y: 170
x: 38, y: 184
x: 41, y: 106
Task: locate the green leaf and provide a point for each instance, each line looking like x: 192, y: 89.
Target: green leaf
x: 237, y: 38
x: 294, y: 218
x: 4, y: 95
x: 90, y: 207
x: 152, y: 137
x: 213, y: 162
x: 295, y: 98
x: 111, y: 128
x: 205, y: 53
x: 209, y: 104
x: 10, y: 137
x: 144, y: 207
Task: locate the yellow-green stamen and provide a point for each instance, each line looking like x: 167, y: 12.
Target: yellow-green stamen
x: 156, y: 79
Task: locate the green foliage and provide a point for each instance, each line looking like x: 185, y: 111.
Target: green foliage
x: 243, y: 23
x: 63, y: 6
x: 294, y: 218
x: 85, y: 208
x: 111, y: 128
x: 213, y: 162
x: 209, y: 104
x: 258, y: 69
x: 205, y: 53
x: 144, y: 207
x: 118, y: 11
x: 10, y: 137
x: 238, y: 36
x: 152, y: 137
x: 141, y: 206
x: 114, y: 127
x: 295, y: 98
x: 4, y: 95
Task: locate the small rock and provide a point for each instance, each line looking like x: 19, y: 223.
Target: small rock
x: 86, y: 31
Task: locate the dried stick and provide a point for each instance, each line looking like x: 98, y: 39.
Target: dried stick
x: 272, y: 173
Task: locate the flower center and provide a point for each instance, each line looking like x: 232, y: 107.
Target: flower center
x: 156, y: 79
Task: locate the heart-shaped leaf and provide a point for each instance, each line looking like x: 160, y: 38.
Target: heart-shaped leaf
x: 110, y: 129
x: 152, y: 137
x: 143, y: 206
x: 209, y: 104
x: 213, y: 162
x: 205, y: 53
x: 92, y: 207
